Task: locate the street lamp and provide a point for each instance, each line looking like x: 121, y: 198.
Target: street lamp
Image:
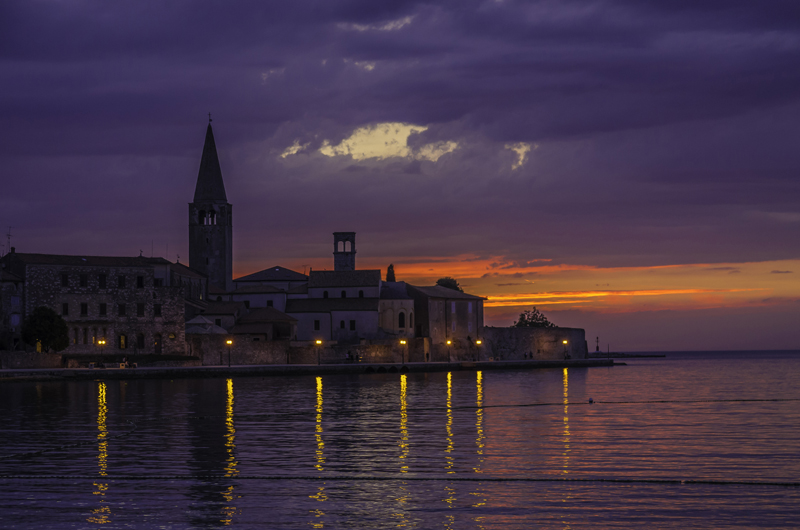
x: 403, y: 351
x: 565, y: 349
x: 230, y: 345
x: 449, y: 355
x: 319, y: 352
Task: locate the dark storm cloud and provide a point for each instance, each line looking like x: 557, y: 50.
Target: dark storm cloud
x: 661, y: 132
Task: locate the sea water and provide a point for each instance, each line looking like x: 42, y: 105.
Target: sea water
x: 691, y: 440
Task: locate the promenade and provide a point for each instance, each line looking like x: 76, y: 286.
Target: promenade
x: 73, y: 374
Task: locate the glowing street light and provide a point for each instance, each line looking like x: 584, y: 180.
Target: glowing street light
x: 319, y: 352
x: 230, y: 346
x: 479, y: 342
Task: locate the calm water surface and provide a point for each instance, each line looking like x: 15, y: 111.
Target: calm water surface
x: 459, y: 450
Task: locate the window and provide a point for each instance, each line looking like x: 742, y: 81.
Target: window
x: 341, y: 324
x: 14, y: 302
x: 247, y: 304
x: 121, y: 282
x: 121, y: 310
x: 452, y: 307
x: 139, y: 310
x: 103, y: 310
x: 140, y: 341
x: 156, y: 310
x: 218, y: 322
x: 324, y: 294
x: 101, y: 281
x: 75, y: 338
x: 84, y: 310
x: 401, y: 320
x: 469, y: 307
x: 84, y: 280
x: 158, y: 282
x: 344, y: 294
x: 94, y: 336
x: 64, y: 309
x: 64, y: 279
x: 269, y: 303
x: 157, y: 343
x: 86, y: 335
x: 140, y: 282
x: 361, y: 294
x: 352, y: 325
x: 14, y: 320
x: 316, y: 325
x: 123, y: 342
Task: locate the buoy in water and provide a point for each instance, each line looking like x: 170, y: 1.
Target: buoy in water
x: 591, y: 401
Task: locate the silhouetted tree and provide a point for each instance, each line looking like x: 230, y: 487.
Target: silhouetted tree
x: 450, y: 283
x: 390, y: 273
x: 47, y: 327
x: 533, y: 319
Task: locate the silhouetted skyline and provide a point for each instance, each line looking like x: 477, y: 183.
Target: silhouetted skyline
x: 628, y: 168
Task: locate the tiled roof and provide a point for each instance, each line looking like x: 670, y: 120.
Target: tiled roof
x: 394, y: 291
x: 257, y: 289
x: 437, y: 291
x: 299, y: 289
x: 89, y: 261
x: 223, y: 308
x: 183, y: 270
x: 274, y: 274
x: 363, y: 278
x: 265, y: 314
x: 326, y: 305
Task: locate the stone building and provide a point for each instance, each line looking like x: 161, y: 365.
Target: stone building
x: 446, y: 314
x: 10, y: 310
x: 135, y: 305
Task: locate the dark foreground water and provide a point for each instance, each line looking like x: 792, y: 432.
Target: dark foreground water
x: 463, y: 450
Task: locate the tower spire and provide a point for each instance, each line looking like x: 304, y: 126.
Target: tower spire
x: 210, y: 186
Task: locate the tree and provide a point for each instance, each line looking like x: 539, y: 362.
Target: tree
x: 450, y: 283
x: 533, y: 319
x: 390, y: 273
x: 45, y: 326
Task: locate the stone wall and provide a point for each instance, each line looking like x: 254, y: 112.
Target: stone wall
x: 10, y: 360
x: 545, y: 344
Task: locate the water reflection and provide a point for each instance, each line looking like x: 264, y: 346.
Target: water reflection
x: 403, y: 423
x: 480, y: 437
x: 101, y: 514
x: 228, y: 510
x: 566, y: 422
x: 449, y: 425
x: 320, y: 495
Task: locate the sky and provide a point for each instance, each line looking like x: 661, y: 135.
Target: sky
x: 630, y: 168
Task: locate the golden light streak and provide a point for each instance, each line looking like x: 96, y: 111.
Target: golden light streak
x: 403, y: 423
x: 228, y: 511
x: 449, y: 424
x: 101, y: 515
x: 566, y: 421
x: 320, y: 456
x: 480, y: 437
x: 575, y: 296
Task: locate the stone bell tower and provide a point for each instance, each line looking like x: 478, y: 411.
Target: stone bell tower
x: 344, y: 251
x: 211, y: 221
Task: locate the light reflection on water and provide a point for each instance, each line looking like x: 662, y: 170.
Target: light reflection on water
x: 465, y: 426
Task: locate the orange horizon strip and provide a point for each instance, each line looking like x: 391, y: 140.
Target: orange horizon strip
x: 543, y: 298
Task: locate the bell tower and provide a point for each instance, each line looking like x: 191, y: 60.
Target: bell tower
x: 211, y: 221
x: 344, y: 251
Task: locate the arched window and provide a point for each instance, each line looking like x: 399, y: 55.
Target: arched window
x: 347, y: 246
x: 340, y: 246
x: 201, y: 217
x: 324, y: 294
x: 123, y: 341
x: 157, y: 342
x: 401, y: 320
x: 361, y: 294
x: 212, y: 217
x: 344, y: 294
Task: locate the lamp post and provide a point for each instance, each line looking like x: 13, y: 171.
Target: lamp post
x: 565, y: 349
x: 449, y: 355
x: 479, y: 342
x: 403, y: 351
x: 230, y: 345
x: 319, y: 351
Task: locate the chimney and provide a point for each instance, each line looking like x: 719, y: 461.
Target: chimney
x: 12, y: 250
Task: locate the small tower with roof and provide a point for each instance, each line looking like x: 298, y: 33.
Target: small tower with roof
x: 211, y: 221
